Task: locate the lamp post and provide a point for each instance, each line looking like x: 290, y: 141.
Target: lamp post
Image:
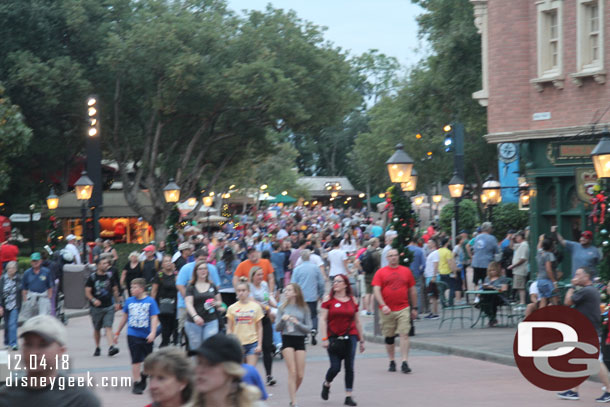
x: 436, y: 199
x: 410, y: 185
x: 84, y: 188
x: 601, y: 156
x: 456, y: 189
x: 52, y: 200
x: 171, y: 192
x: 491, y: 193
x: 399, y: 165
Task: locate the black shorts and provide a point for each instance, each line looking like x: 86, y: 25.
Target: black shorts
x: 293, y: 341
x: 138, y: 348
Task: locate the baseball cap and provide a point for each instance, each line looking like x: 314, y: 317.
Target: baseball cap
x: 70, y: 237
x: 35, y: 256
x: 587, y: 234
x: 47, y: 327
x: 150, y: 248
x: 183, y: 246
x: 220, y: 348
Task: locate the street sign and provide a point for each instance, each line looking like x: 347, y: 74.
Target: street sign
x: 24, y: 217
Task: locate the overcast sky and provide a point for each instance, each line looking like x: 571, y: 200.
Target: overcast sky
x: 357, y: 25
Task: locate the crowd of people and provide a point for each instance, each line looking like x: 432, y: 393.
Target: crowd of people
x: 274, y: 284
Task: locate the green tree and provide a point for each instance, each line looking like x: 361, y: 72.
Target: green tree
x: 506, y: 216
x: 435, y: 92
x: 468, y: 216
x: 15, y: 137
x: 404, y: 223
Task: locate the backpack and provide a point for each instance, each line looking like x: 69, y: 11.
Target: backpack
x: 367, y: 262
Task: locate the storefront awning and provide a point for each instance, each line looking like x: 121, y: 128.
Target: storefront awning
x: 115, y: 205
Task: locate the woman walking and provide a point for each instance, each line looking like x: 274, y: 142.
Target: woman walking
x: 203, y: 303
x: 165, y: 293
x: 226, y: 268
x: 341, y: 329
x: 244, y: 321
x: 294, y: 322
x: 131, y: 270
x: 259, y: 291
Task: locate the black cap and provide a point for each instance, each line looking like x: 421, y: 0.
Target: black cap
x: 220, y: 348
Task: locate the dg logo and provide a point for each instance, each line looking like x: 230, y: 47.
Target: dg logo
x: 556, y: 348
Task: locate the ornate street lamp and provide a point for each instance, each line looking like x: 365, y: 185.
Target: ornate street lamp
x: 399, y: 165
x: 52, y: 200
x: 84, y: 188
x: 456, y: 186
x: 171, y: 192
x: 410, y: 185
x: 601, y: 156
x: 491, y: 194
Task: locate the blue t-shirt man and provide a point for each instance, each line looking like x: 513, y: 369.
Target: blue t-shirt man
x: 418, y: 263
x: 583, y: 255
x: 37, y: 282
x: 277, y: 261
x: 485, y: 247
x: 186, y: 273
x: 139, y: 313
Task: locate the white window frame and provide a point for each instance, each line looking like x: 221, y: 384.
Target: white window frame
x: 584, y: 65
x: 543, y: 8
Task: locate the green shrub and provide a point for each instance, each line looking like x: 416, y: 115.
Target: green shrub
x: 468, y: 216
x: 506, y: 216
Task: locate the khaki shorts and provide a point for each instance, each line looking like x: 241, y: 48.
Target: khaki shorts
x: 519, y: 282
x: 368, y: 279
x: 396, y: 322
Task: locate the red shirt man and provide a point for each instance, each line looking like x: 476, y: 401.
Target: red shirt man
x: 394, y: 290
x: 254, y: 259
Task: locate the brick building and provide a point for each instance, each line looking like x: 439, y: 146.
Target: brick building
x: 544, y: 85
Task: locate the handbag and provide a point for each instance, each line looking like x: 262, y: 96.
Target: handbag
x: 167, y: 306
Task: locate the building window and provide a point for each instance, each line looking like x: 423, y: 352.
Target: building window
x: 549, y: 43
x: 590, y: 41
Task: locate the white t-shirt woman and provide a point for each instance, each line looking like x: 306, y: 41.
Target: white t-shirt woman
x: 337, y: 259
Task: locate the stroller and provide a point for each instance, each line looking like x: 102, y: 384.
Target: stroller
x: 56, y: 263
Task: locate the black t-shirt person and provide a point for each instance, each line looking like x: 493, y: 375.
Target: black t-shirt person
x: 102, y: 286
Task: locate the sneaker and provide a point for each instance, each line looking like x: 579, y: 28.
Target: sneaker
x: 429, y: 316
x: 270, y: 381
x: 112, y: 351
x: 392, y: 367
x: 137, y: 388
x: 314, y: 341
x: 605, y: 398
x: 143, y: 381
x: 476, y: 300
x: 364, y: 313
x: 97, y: 352
x: 350, y: 401
x: 434, y: 316
x: 325, y: 391
x: 569, y: 395
x: 405, y: 367
x: 14, y: 347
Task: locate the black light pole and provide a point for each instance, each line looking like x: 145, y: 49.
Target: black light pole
x: 84, y: 188
x: 456, y: 188
x: 492, y: 194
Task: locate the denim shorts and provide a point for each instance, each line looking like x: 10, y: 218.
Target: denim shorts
x: 545, y: 288
x: 249, y: 348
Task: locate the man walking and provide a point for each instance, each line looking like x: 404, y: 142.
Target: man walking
x: 37, y: 288
x: 99, y: 290
x: 72, y: 249
x: 584, y: 297
x: 417, y: 266
x: 521, y: 253
x: 394, y: 289
x: 309, y: 277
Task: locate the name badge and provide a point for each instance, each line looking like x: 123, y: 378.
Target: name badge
x: 337, y: 305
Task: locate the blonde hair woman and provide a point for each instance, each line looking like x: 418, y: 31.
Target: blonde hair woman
x: 218, y: 374
x: 171, y: 378
x: 244, y: 321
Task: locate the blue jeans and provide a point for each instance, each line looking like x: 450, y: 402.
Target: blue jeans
x: 197, y: 334
x: 335, y: 365
x: 10, y: 322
